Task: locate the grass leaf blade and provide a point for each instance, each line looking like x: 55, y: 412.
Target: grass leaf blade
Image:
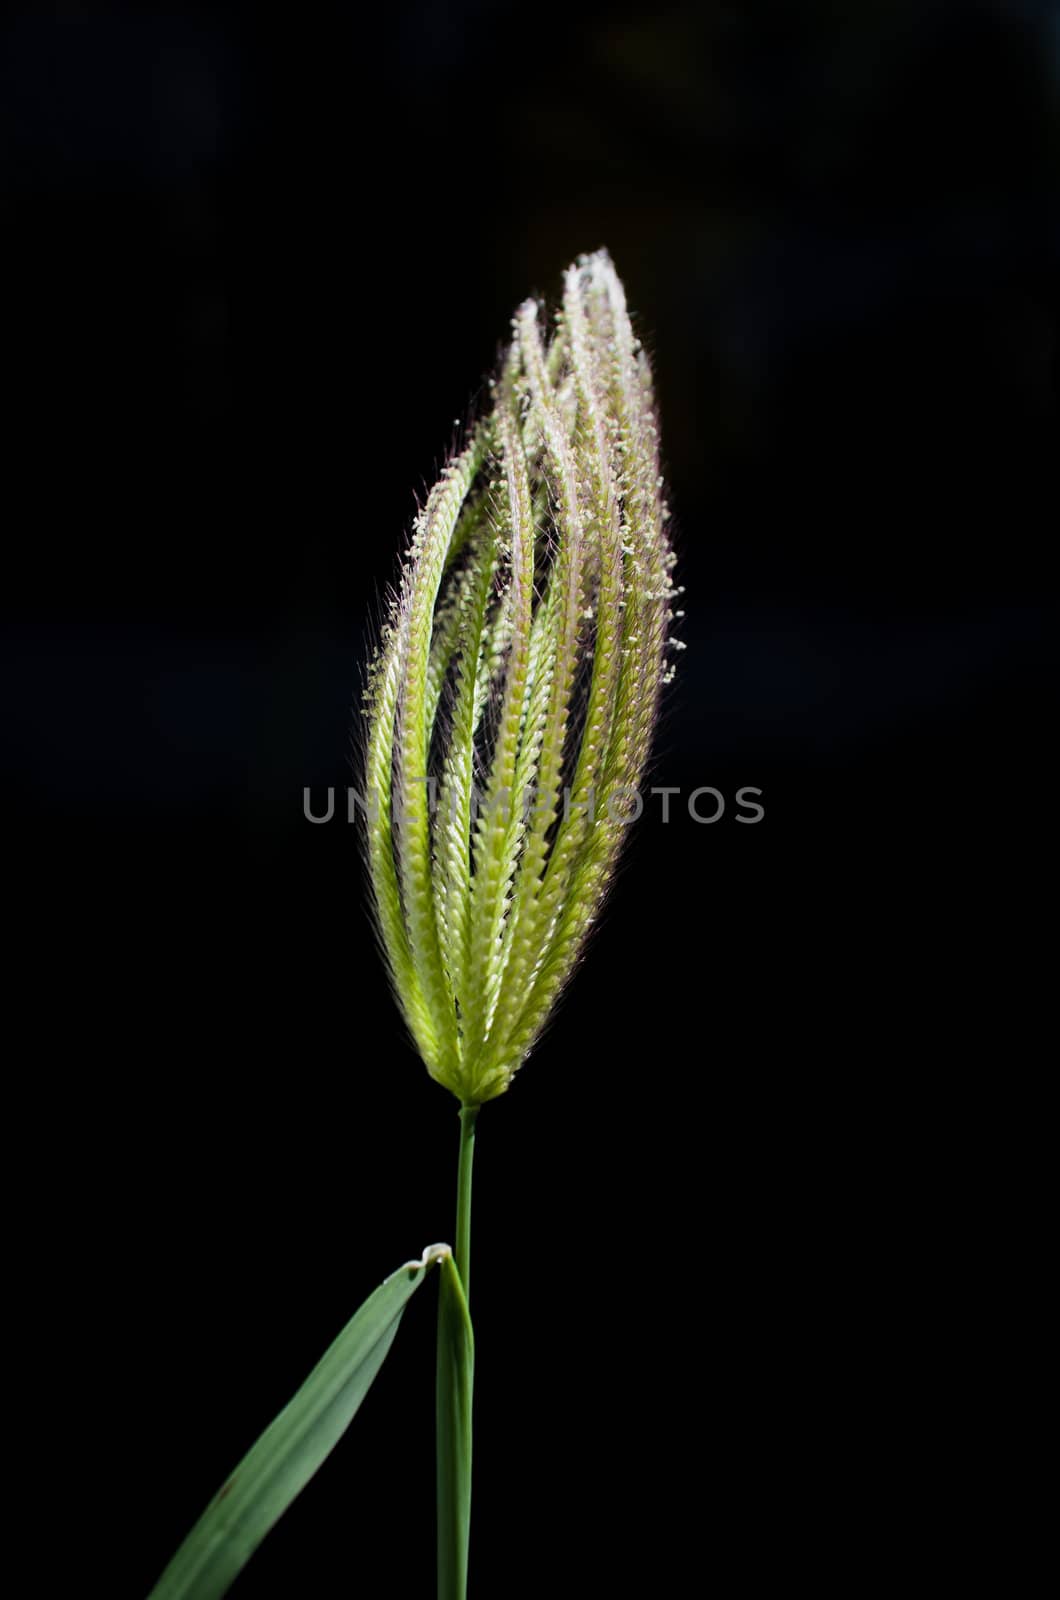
x: 276, y: 1469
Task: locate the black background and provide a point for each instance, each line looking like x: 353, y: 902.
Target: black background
x: 740, y: 1226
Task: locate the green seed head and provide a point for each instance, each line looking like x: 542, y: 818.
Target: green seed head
x: 511, y: 702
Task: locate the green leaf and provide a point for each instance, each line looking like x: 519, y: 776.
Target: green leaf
x: 456, y: 1375
x: 276, y: 1469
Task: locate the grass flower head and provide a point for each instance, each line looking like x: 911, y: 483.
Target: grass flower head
x: 512, y: 700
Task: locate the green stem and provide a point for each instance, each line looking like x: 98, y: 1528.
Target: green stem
x: 456, y: 1376
x: 468, y: 1115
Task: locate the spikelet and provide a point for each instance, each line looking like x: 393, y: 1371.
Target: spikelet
x: 512, y: 700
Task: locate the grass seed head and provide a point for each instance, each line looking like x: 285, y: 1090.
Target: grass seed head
x: 516, y: 686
